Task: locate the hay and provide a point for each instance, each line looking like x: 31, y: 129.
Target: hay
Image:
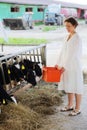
x: 44, y: 110
x: 19, y: 118
x: 40, y: 100
x: 33, y: 106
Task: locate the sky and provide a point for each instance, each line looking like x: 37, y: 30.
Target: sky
x: 75, y: 1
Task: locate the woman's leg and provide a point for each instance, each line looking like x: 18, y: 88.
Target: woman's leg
x: 70, y: 99
x: 78, y: 98
x: 69, y: 106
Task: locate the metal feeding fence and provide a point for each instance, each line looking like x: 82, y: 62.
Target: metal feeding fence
x: 35, y: 54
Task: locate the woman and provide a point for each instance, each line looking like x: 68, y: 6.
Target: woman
x: 69, y: 62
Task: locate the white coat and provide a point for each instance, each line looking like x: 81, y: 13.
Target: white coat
x: 70, y: 59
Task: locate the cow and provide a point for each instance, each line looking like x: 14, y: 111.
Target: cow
x: 5, y: 97
x: 19, y: 71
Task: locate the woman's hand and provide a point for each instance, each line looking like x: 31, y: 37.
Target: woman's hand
x: 62, y: 69
x: 58, y: 67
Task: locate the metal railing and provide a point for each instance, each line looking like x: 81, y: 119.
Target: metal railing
x: 36, y: 54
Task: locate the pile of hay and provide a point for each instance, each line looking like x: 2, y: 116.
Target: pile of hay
x: 19, y: 118
x: 33, y: 104
x: 40, y: 100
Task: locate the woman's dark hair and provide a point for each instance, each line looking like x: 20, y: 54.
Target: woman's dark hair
x: 72, y: 20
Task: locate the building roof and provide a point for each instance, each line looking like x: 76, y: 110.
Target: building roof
x: 31, y: 2
x: 69, y: 4
x: 45, y: 2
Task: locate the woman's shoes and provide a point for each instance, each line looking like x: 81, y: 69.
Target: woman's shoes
x: 67, y: 109
x: 74, y: 113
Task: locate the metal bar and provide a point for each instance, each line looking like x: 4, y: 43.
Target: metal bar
x: 2, y: 73
x: 2, y: 47
x: 8, y: 74
x: 38, y: 56
x: 22, y: 51
x: 30, y: 56
x: 34, y: 55
x: 43, y: 55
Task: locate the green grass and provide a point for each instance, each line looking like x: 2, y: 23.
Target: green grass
x: 38, y: 23
x: 25, y: 41
x: 49, y: 28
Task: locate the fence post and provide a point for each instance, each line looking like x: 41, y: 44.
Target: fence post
x: 43, y: 55
x: 2, y: 72
x: 2, y: 47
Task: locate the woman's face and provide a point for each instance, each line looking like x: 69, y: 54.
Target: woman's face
x: 70, y: 28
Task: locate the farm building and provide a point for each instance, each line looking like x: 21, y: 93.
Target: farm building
x: 16, y: 8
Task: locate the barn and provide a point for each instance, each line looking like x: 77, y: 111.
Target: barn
x: 16, y: 8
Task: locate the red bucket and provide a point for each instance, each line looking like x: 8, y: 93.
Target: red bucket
x: 51, y: 74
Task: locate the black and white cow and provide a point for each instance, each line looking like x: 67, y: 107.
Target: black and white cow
x: 5, y: 97
x: 23, y: 70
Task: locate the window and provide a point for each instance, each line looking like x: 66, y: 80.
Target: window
x: 29, y: 9
x: 40, y: 9
x: 14, y: 9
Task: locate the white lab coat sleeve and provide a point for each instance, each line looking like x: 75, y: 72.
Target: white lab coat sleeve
x: 71, y: 53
